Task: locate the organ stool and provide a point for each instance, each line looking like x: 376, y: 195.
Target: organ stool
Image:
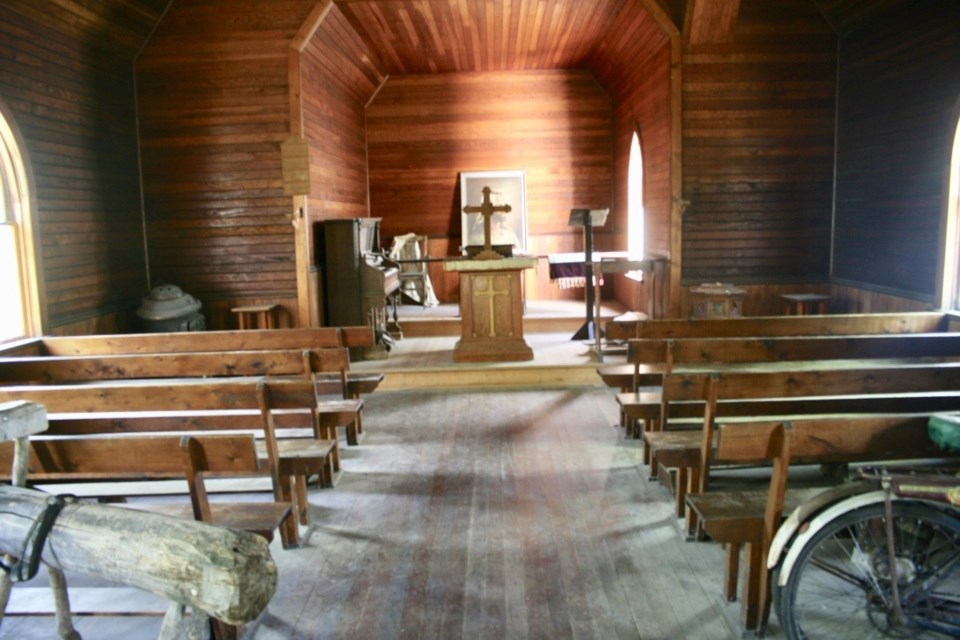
x: 801, y: 304
x: 257, y: 316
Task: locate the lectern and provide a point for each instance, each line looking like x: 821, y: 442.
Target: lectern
x: 588, y: 219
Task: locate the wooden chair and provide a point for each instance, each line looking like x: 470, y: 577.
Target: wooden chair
x: 228, y: 456
x: 329, y: 369
x: 413, y: 275
x: 262, y: 518
x: 292, y: 461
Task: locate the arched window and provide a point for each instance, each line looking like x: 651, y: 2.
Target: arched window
x: 18, y: 295
x: 635, y: 222
x: 950, y: 291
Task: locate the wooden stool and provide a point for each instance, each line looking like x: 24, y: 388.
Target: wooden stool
x: 257, y: 316
x: 801, y: 304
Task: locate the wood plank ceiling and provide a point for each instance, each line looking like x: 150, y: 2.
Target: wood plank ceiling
x: 447, y: 36
x: 450, y: 36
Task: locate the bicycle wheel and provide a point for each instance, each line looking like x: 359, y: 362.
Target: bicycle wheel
x: 840, y: 585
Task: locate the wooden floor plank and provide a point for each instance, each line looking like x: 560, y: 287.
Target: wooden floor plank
x: 491, y: 513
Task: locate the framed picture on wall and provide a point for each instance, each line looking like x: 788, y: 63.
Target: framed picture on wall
x: 506, y: 188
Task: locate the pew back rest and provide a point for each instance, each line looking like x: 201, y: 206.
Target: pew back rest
x: 830, y: 439
x: 182, y: 401
x: 699, y: 393
x: 707, y: 353
x: 186, y: 341
x: 131, y: 457
x: 846, y: 324
x: 80, y: 368
x: 202, y: 457
x: 871, y: 385
x: 908, y: 378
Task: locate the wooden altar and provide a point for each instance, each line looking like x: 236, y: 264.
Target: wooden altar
x: 491, y: 310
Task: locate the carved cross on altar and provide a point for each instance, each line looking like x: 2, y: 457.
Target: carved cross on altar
x: 490, y: 293
x: 487, y: 209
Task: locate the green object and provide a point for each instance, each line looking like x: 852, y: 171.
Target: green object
x: 944, y: 430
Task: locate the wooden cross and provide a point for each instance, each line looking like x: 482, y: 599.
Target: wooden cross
x: 487, y: 209
x: 490, y: 293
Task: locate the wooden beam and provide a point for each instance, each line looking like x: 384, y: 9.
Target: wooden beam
x: 664, y: 21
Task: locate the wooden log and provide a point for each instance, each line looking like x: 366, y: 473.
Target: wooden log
x: 228, y: 574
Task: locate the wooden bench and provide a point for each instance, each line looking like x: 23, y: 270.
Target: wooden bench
x: 749, y: 519
x: 706, y: 397
x: 639, y: 407
x: 327, y: 366
x: 359, y: 383
x: 261, y: 406
x: 620, y: 376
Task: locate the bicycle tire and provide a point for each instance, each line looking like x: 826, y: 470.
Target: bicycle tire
x: 840, y: 583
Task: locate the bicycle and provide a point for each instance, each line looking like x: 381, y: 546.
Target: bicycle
x: 874, y: 559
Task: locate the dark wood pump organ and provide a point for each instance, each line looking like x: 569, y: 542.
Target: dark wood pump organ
x: 358, y: 279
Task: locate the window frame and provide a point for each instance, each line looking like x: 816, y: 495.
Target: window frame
x: 950, y: 272
x: 19, y: 214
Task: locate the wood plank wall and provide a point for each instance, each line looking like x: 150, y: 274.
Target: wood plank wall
x: 66, y: 73
x: 758, y: 129
x: 423, y: 130
x: 340, y: 75
x: 633, y: 64
x: 898, y: 107
x: 214, y: 108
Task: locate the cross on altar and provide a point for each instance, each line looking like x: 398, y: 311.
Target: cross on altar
x: 490, y: 293
x: 487, y: 209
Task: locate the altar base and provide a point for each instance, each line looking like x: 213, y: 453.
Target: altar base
x: 491, y: 310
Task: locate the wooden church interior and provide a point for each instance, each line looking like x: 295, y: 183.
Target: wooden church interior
x: 793, y: 147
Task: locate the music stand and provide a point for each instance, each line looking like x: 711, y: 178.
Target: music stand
x: 588, y: 219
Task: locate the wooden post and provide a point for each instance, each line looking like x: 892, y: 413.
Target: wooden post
x: 227, y: 574
x: 20, y: 419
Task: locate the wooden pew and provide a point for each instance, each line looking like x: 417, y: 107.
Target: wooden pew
x: 328, y: 366
x: 749, y: 519
x: 199, y: 406
x: 723, y: 353
x: 359, y: 383
x: 149, y: 457
x: 620, y: 376
x: 902, y: 388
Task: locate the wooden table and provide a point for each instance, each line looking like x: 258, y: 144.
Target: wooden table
x: 256, y: 316
x: 801, y: 304
x: 491, y: 309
